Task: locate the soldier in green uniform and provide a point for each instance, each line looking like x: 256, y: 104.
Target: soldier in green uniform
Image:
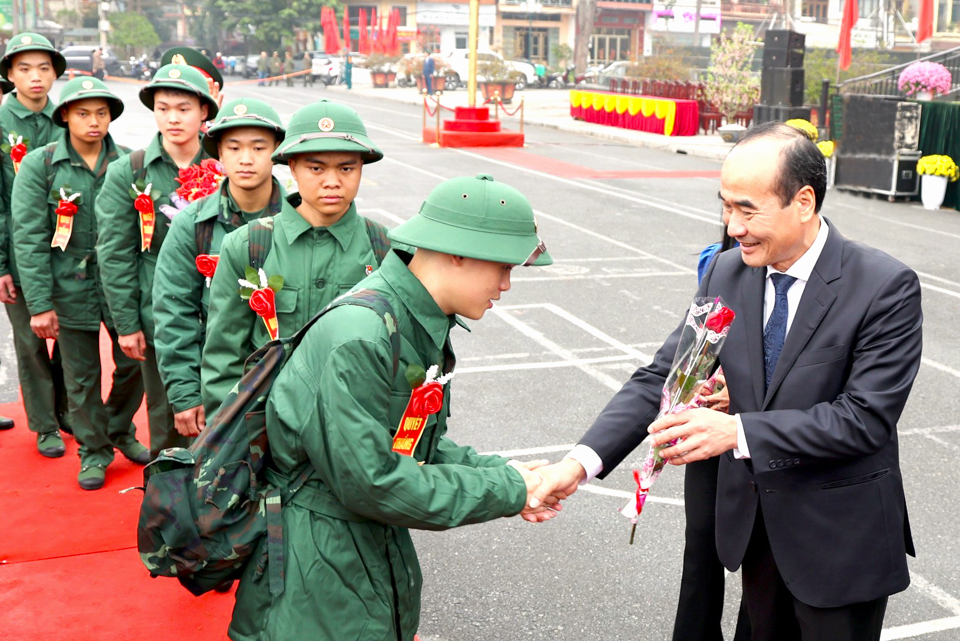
x: 318, y: 243
x: 26, y: 122
x: 288, y: 68
x: 276, y: 68
x: 132, y: 225
x: 55, y: 234
x: 307, y: 66
x: 244, y: 136
x: 350, y: 567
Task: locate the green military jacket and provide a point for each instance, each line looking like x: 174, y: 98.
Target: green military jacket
x: 350, y: 568
x: 37, y: 129
x: 263, y: 64
x: 181, y: 293
x: 318, y: 264
x: 66, y: 281
x: 126, y: 271
x: 276, y: 65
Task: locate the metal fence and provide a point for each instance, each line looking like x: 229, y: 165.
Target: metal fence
x: 884, y: 83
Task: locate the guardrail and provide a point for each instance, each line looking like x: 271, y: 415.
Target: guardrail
x: 884, y: 83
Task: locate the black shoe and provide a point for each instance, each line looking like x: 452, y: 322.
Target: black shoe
x: 6, y: 423
x: 226, y: 586
x: 135, y: 452
x: 50, y: 445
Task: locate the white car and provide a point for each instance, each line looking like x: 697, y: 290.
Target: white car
x: 459, y: 61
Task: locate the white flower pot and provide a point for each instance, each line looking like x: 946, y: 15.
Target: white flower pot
x: 924, y: 95
x: 731, y: 133
x: 933, y: 189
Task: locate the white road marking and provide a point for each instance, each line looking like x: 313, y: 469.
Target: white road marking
x: 920, y: 629
x: 899, y: 222
x: 546, y: 365
x: 530, y: 279
x: 939, y: 289
x: 921, y: 431
x: 938, y: 595
x: 532, y: 450
x: 938, y: 278
x: 594, y: 489
x: 940, y: 366
x: 385, y: 214
x: 414, y: 168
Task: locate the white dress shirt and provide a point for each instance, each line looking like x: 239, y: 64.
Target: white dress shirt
x: 800, y: 270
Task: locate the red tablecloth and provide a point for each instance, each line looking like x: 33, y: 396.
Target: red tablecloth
x: 652, y: 114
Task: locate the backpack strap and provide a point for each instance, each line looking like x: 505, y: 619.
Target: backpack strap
x: 203, y: 233
x: 377, y: 234
x: 260, y: 241
x: 277, y: 497
x: 136, y: 164
x: 48, y: 152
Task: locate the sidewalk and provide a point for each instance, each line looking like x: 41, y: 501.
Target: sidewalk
x: 551, y: 108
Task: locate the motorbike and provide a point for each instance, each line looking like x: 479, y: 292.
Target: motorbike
x: 140, y: 68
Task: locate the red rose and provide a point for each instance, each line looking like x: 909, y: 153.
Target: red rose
x: 207, y: 265
x: 66, y: 208
x: 427, y: 399
x: 143, y: 204
x: 17, y: 152
x: 263, y: 302
x: 720, y: 319
x: 212, y: 165
x: 188, y: 173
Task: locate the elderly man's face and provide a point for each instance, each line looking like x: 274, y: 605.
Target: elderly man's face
x: 768, y: 232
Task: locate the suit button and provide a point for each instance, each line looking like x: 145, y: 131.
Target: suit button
x: 320, y: 283
x: 780, y: 463
x: 796, y: 461
x: 753, y: 486
x: 773, y: 465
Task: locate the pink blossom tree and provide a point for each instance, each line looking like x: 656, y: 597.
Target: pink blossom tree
x: 731, y: 85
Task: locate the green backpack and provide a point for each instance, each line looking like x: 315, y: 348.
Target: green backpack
x: 209, y: 509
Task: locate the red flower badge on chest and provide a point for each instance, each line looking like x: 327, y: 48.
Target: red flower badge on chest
x: 207, y: 266
x: 143, y: 203
x: 16, y: 146
x: 67, y: 208
x: 425, y: 400
x: 261, y: 291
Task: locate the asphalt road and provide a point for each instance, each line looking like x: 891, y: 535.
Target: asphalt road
x: 625, y: 226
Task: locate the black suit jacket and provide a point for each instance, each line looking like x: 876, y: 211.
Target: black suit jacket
x: 823, y: 438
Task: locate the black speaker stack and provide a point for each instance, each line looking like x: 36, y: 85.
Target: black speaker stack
x: 781, y: 81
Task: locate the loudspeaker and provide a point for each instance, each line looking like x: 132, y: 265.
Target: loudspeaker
x: 766, y: 113
x: 879, y: 127
x: 782, y: 57
x: 784, y: 40
x: 781, y: 87
x: 783, y: 49
x: 891, y: 175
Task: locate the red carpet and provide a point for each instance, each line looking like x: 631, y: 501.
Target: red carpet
x: 69, y: 567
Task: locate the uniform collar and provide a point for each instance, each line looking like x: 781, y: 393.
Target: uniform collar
x: 155, y: 151
x: 64, y: 151
x: 227, y: 206
x: 418, y: 301
x: 20, y: 111
x: 296, y: 224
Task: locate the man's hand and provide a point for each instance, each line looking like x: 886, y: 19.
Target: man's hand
x: 560, y: 481
x: 214, y: 88
x: 8, y: 291
x: 719, y: 401
x: 703, y: 434
x: 533, y: 481
x: 134, y: 346
x: 190, y: 422
x: 45, y: 325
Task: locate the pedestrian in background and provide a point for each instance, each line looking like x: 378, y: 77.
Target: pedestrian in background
x: 263, y: 68
x: 429, y: 66
x: 308, y: 67
x: 97, y: 65
x: 276, y: 68
x: 288, y: 68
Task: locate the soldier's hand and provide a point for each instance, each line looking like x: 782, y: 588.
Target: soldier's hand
x: 45, y: 325
x: 190, y: 422
x: 215, y: 92
x: 8, y: 291
x: 134, y: 346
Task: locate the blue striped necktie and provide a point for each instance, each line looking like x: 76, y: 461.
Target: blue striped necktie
x: 776, y: 330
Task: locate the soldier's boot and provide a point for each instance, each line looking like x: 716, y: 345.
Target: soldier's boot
x: 134, y: 451
x: 6, y: 423
x: 50, y: 445
x: 92, y: 477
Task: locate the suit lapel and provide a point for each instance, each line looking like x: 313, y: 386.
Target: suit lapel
x: 752, y: 314
x: 814, y: 305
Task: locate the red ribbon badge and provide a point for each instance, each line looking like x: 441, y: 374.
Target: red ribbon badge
x: 143, y: 203
x: 65, y: 211
x: 17, y: 152
x: 263, y: 302
x: 207, y: 266
x: 424, y: 401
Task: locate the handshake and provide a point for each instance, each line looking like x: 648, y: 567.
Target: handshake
x: 547, y: 485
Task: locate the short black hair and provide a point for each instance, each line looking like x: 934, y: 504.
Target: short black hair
x: 801, y: 162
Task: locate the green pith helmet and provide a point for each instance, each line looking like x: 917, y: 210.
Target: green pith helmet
x: 6, y: 86
x: 82, y: 88
x: 476, y: 218
x: 180, y: 78
x: 243, y: 112
x: 326, y: 126
x: 31, y: 42
x: 192, y: 57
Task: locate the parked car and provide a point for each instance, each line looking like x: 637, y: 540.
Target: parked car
x: 459, y: 62
x: 80, y: 57
x: 325, y: 68
x: 614, y: 70
x: 250, y: 65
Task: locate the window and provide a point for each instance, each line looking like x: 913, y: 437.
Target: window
x: 460, y: 40
x: 816, y: 9
x: 403, y: 13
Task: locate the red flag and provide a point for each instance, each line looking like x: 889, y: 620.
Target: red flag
x: 347, y: 44
x: 364, y: 44
x: 851, y: 13
x: 925, y: 22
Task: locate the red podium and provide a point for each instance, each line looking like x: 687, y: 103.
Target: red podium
x: 472, y: 127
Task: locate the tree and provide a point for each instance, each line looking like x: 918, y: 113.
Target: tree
x: 586, y: 16
x: 132, y: 31
x: 821, y: 64
x: 271, y: 21
x: 731, y: 85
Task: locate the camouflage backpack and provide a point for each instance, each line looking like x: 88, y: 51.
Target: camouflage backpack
x: 209, y: 509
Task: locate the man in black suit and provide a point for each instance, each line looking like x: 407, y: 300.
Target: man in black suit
x: 819, y: 364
